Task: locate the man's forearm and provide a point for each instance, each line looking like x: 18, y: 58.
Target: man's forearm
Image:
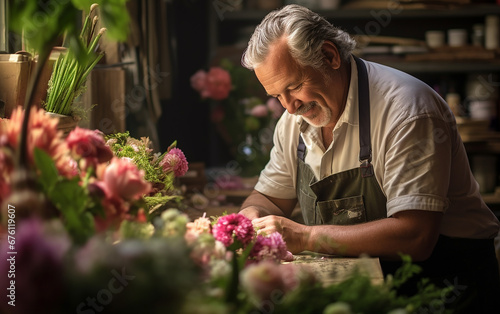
x: 260, y: 204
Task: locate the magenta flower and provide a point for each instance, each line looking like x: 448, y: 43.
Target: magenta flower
x: 234, y: 231
x: 175, y: 161
x: 272, y: 247
x: 89, y: 145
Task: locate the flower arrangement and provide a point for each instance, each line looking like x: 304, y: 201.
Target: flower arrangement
x: 175, y: 265
x: 160, y: 169
x: 243, y: 120
x: 93, y: 185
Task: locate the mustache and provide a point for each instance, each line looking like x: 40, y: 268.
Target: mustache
x: 305, y: 108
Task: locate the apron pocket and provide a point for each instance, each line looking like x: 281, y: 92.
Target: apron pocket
x: 344, y: 211
x: 307, y: 204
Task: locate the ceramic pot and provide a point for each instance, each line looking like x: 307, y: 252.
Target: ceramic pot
x: 66, y: 123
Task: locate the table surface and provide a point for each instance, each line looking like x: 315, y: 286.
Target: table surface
x: 333, y: 269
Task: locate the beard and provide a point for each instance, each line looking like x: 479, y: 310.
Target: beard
x: 320, y: 118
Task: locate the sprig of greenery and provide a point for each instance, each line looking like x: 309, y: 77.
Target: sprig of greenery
x: 139, y: 151
x: 71, y: 71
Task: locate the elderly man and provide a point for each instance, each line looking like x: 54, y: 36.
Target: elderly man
x: 373, y: 157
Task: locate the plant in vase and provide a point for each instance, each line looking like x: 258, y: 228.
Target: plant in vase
x: 243, y: 120
x: 70, y: 73
x: 42, y: 25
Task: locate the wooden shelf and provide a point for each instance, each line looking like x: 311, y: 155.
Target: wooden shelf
x: 491, y: 198
x: 464, y: 11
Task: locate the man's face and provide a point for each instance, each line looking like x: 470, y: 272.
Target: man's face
x: 301, y: 90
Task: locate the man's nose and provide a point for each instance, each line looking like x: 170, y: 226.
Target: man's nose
x: 290, y: 103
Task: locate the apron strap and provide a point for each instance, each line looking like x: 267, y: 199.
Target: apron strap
x: 365, y: 146
x: 301, y: 149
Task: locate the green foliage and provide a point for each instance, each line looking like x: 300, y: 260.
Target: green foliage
x: 141, y: 154
x: 362, y: 295
x: 72, y: 68
x: 68, y: 196
x: 44, y: 22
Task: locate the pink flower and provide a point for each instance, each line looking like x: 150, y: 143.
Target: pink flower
x: 42, y: 133
x: 218, y: 83
x: 175, y: 161
x: 122, y: 178
x: 268, y: 280
x: 272, y: 247
x: 275, y: 107
x: 199, y: 80
x: 262, y: 280
x: 196, y: 228
x: 89, y: 145
x: 259, y: 111
x: 115, y: 208
x: 215, y: 84
x: 234, y: 230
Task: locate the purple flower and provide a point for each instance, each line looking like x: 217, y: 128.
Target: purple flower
x: 272, y: 247
x: 175, y: 161
x: 36, y: 270
x: 234, y: 230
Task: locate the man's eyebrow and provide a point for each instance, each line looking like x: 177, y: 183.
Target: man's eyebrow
x: 286, y: 87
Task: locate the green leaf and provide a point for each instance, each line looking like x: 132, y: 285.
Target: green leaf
x: 48, y: 171
x: 115, y: 18
x: 41, y: 22
x: 71, y: 200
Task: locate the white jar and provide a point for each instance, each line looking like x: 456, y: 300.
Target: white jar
x: 491, y: 38
x: 457, y: 37
x: 434, y: 39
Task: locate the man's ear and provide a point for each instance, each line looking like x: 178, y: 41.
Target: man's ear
x: 331, y: 53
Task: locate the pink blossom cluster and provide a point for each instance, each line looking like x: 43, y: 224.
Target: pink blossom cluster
x: 232, y: 228
x: 88, y: 145
x: 262, y: 280
x: 196, y: 228
x: 42, y: 134
x: 216, y: 84
x: 272, y: 247
x: 115, y: 182
x: 175, y: 161
x: 121, y: 182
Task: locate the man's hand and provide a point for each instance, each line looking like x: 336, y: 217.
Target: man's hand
x: 294, y: 234
x: 251, y: 212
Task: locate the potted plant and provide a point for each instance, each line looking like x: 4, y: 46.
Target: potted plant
x: 42, y: 25
x: 69, y: 75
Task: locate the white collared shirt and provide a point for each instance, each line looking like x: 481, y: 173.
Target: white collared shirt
x: 418, y: 156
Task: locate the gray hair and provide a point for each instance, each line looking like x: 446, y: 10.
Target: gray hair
x: 305, y: 31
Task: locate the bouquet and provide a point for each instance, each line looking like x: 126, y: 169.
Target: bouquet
x: 92, y: 185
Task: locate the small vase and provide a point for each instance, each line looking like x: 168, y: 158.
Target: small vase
x: 66, y: 123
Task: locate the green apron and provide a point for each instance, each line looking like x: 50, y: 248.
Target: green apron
x: 354, y: 196
x: 361, y: 198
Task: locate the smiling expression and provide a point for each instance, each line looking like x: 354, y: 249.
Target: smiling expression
x: 302, y: 90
